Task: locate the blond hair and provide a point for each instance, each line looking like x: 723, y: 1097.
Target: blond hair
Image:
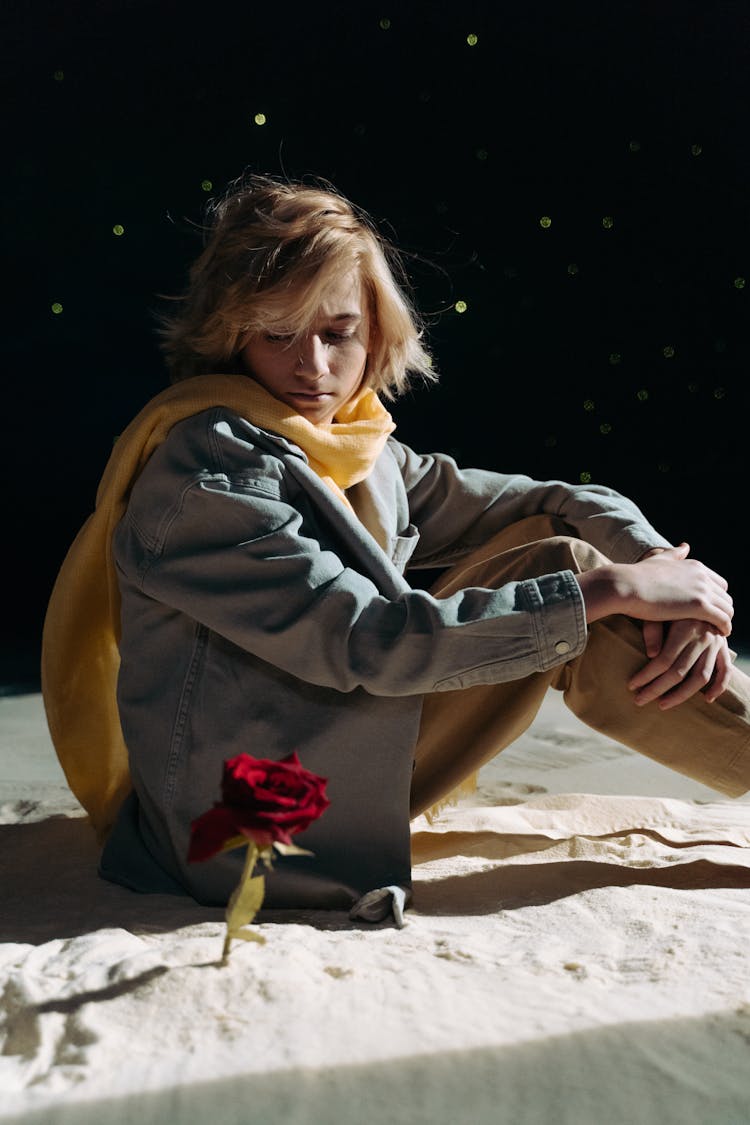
x: 272, y: 249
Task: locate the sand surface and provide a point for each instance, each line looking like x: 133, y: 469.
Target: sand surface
x: 577, y: 953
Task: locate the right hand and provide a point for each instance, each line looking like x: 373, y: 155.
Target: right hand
x: 663, y: 587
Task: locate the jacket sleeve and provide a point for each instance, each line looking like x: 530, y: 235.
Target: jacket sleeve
x: 249, y: 565
x: 457, y: 510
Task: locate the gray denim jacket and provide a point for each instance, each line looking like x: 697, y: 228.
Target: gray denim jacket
x: 260, y: 615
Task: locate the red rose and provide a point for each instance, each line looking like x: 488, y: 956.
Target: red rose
x: 267, y: 802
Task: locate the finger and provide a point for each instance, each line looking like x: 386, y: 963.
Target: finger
x: 695, y: 682
x: 680, y: 634
x: 653, y: 637
x: 722, y: 675
x: 677, y: 672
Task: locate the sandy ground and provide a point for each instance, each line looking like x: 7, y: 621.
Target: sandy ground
x: 576, y: 953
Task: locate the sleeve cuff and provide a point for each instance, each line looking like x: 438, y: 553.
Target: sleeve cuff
x: 557, y: 609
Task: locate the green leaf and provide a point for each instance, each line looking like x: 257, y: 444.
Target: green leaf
x: 245, y: 902
x: 291, y: 849
x: 248, y: 935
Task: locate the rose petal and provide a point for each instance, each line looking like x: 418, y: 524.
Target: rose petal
x: 209, y: 832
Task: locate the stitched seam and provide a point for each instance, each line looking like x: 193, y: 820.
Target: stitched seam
x: 178, y: 731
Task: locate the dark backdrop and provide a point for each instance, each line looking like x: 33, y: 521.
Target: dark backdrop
x: 576, y: 174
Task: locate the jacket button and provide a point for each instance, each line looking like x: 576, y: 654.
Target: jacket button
x: 562, y: 647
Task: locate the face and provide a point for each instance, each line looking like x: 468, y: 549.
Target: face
x: 320, y: 372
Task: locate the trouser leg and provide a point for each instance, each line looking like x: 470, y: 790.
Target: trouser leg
x: 461, y: 730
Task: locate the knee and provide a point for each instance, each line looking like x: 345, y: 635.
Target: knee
x: 567, y: 552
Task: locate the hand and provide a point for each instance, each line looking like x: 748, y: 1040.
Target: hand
x: 663, y: 586
x: 692, y: 658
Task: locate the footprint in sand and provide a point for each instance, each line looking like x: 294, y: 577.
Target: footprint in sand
x: 505, y: 793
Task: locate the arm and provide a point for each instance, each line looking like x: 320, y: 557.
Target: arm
x: 457, y: 510
x: 253, y: 567
x: 665, y: 586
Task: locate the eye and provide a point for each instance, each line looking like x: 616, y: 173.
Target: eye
x: 338, y: 337
x: 274, y: 338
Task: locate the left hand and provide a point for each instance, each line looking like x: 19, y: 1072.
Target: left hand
x: 691, y: 657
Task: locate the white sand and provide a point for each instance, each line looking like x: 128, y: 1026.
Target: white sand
x: 582, y: 960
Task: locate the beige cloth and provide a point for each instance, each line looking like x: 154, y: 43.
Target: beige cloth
x: 461, y: 730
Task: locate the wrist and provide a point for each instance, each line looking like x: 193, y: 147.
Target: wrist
x: 602, y: 592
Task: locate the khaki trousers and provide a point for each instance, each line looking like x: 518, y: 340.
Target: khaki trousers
x: 461, y: 730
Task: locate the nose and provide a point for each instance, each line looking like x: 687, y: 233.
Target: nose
x: 313, y: 358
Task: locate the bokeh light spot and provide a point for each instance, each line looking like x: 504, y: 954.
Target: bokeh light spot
x: 605, y: 428
x: 696, y: 149
x: 118, y: 229
x: 739, y: 283
x: 550, y: 441
x: 642, y: 394
x: 573, y: 270
x: 384, y: 23
x: 460, y: 306
x: 588, y: 404
x: 693, y: 387
x: 481, y: 154
x: 472, y: 39
x: 615, y: 358
x: 545, y: 222
x: 668, y: 352
x: 260, y: 119
x: 635, y: 146
x: 584, y: 477
x: 206, y: 185
x: 608, y: 222
x: 719, y: 392
x: 57, y: 308
x: 59, y: 75
x: 664, y: 466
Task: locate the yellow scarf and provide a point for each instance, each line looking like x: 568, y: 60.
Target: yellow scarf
x: 80, y: 657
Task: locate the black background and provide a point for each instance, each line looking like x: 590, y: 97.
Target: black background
x: 615, y: 349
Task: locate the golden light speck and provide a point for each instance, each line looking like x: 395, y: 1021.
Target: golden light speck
x: 472, y: 39
x: 635, y: 146
x: 260, y: 119
x: 118, y: 229
x: 605, y: 428
x: 59, y: 75
x: 696, y: 149
x: 57, y: 308
x: 668, y: 352
x: 739, y: 283
x: 384, y: 24
x: 584, y: 477
x: 615, y: 358
x: 573, y: 270
x: 545, y: 222
x: 608, y: 222
x: 460, y: 306
x: 719, y: 392
x: 481, y: 154
x: 588, y: 404
x: 206, y: 185
x: 642, y: 394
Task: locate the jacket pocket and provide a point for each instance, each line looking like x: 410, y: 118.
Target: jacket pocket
x: 403, y: 546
